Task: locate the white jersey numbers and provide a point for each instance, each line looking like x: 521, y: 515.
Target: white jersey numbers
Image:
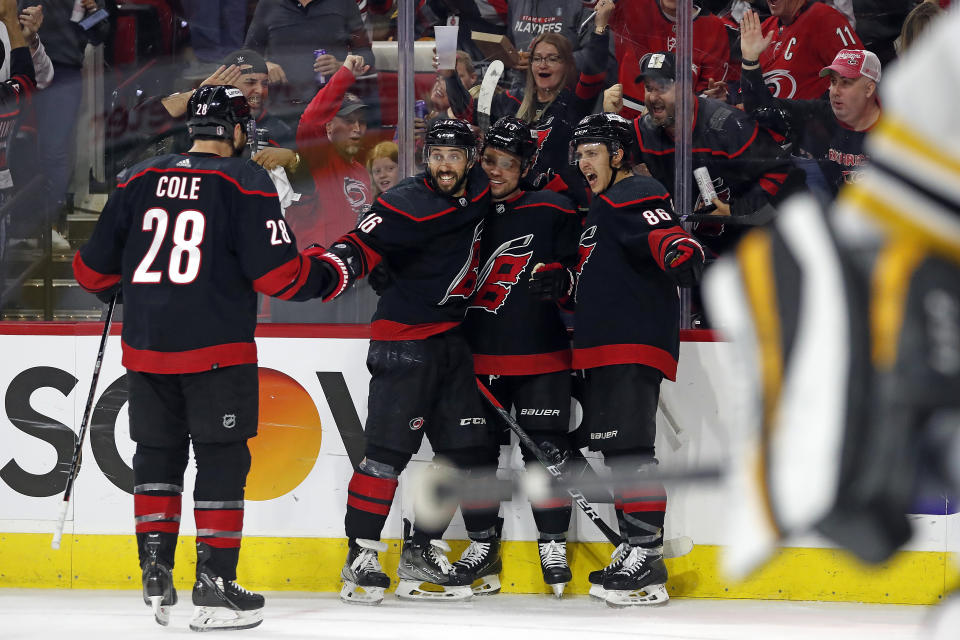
x: 656, y: 216
x: 278, y: 232
x: 185, y: 256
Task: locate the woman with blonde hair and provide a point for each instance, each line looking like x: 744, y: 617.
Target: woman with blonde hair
x: 554, y: 99
x: 384, y: 166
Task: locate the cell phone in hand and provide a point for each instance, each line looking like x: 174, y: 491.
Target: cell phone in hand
x: 94, y: 19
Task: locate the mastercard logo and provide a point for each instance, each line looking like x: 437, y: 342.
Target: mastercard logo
x: 288, y: 437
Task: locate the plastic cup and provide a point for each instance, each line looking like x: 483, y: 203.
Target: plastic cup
x: 446, y: 37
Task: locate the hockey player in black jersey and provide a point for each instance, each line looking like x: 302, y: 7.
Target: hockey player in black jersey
x: 188, y: 240
x: 633, y: 255
x: 425, y: 233
x: 521, y: 349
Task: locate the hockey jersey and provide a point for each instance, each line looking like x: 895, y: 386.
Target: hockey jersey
x: 745, y: 163
x: 792, y: 63
x: 627, y: 307
x: 429, y: 244
x: 554, y: 124
x: 15, y: 92
x: 816, y: 134
x: 512, y: 332
x: 191, y: 238
x: 640, y: 27
x: 343, y: 192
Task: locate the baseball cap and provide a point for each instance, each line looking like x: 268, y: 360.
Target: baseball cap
x: 853, y: 63
x: 661, y: 65
x: 350, y: 104
x: 246, y: 58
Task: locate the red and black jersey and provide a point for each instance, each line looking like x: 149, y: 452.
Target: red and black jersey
x: 627, y: 307
x: 191, y: 238
x: 429, y: 244
x: 792, y: 63
x: 510, y: 331
x: 14, y: 93
x: 746, y: 164
x: 640, y: 27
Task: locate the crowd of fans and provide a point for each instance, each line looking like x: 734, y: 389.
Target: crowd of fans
x: 786, y: 91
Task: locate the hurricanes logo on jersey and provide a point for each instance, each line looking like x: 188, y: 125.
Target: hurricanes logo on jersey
x: 465, y: 283
x: 588, y: 242
x: 543, y: 132
x: 357, y: 195
x: 501, y: 271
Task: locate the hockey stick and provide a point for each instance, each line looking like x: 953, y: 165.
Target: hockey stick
x: 84, y: 423
x: 487, y: 90
x: 671, y: 548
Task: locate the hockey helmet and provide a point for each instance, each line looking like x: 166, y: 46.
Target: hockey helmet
x: 213, y: 111
x: 614, y: 131
x: 512, y: 135
x: 449, y: 132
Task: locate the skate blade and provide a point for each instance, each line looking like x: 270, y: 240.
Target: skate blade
x: 414, y: 590
x: 354, y: 594
x: 558, y: 589
x: 597, y: 591
x: 652, y: 594
x: 161, y: 612
x: 488, y: 586
x: 222, y: 618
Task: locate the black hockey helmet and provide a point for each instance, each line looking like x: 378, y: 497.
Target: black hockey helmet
x: 512, y: 135
x: 213, y: 111
x: 614, y: 131
x: 449, y: 132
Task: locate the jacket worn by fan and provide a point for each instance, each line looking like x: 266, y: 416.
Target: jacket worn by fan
x: 191, y: 238
x: 510, y: 331
x: 627, y: 307
x: 429, y: 244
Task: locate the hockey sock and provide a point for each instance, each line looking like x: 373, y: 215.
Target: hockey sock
x: 218, y: 502
x: 552, y: 518
x: 157, y: 497
x: 643, y: 506
x: 368, y: 503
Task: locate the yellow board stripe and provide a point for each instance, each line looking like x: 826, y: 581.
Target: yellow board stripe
x: 755, y: 253
x: 313, y: 565
x: 892, y: 274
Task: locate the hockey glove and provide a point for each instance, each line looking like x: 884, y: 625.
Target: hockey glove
x: 107, y: 295
x: 683, y: 261
x: 551, y: 282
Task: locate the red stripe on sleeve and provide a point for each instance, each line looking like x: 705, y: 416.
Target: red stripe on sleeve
x: 92, y: 280
x: 370, y: 257
x: 277, y: 279
x: 658, y: 240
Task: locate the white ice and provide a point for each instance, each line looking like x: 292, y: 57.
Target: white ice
x: 103, y: 615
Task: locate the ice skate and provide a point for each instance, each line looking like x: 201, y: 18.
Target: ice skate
x: 425, y: 573
x: 640, y: 580
x: 481, y: 561
x: 158, y: 590
x: 553, y: 564
x: 363, y: 579
x: 597, y: 577
x: 222, y: 604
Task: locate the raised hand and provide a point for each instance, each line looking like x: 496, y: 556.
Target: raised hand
x: 752, y: 41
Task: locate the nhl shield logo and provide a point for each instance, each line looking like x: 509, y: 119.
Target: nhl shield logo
x: 416, y: 424
x: 501, y: 208
x: 229, y: 421
x: 462, y: 202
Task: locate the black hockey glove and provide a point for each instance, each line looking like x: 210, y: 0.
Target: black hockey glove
x: 683, y: 261
x: 551, y: 282
x: 106, y: 295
